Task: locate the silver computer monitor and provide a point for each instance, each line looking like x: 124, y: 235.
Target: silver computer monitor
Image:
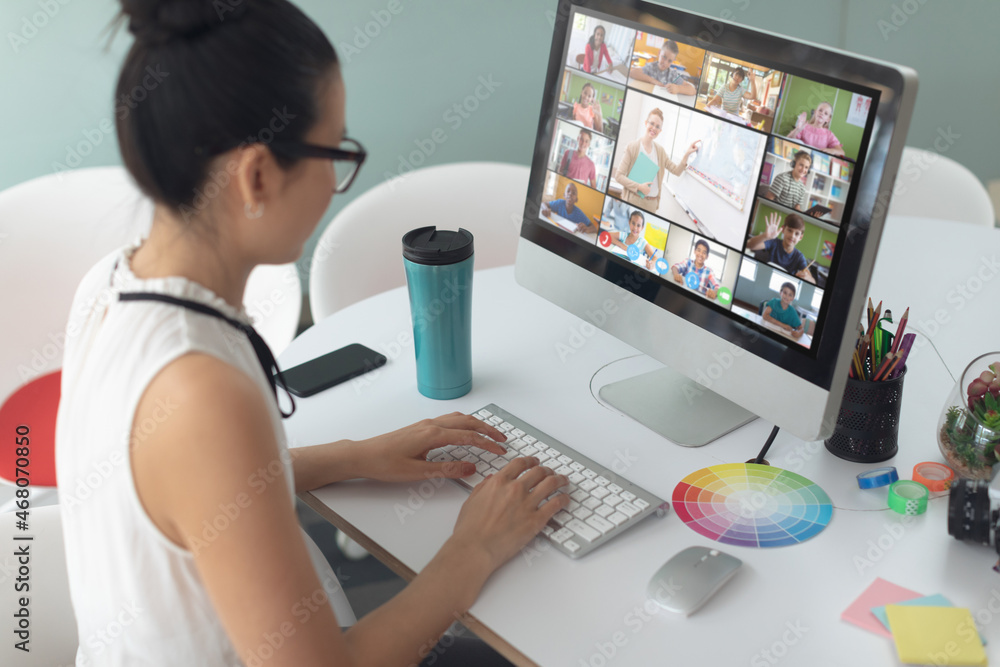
x: 695, y: 174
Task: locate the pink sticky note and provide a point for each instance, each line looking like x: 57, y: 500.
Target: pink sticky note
x: 881, y: 592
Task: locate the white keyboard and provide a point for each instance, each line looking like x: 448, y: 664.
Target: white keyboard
x: 602, y: 505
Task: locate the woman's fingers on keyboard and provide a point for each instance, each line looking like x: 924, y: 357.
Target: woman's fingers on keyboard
x: 517, y: 466
x: 547, y: 487
x: 534, y: 476
x: 459, y: 421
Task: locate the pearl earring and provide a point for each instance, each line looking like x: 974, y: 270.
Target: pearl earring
x: 255, y: 212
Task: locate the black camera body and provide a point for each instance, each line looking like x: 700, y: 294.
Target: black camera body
x: 974, y: 511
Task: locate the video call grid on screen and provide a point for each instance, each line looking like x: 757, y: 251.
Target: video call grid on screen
x: 772, y: 209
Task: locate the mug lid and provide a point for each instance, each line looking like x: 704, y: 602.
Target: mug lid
x: 429, y: 245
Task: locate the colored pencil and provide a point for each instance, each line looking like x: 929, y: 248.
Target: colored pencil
x: 900, y: 363
x: 899, y: 330
x: 883, y: 367
x: 871, y: 325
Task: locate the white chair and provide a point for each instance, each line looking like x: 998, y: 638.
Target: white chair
x: 360, y: 251
x: 930, y: 185
x: 52, y: 230
x: 53, y: 634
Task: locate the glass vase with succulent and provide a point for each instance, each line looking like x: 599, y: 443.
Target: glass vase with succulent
x: 969, y: 428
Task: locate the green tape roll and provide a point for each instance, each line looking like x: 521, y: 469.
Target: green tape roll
x: 906, y: 497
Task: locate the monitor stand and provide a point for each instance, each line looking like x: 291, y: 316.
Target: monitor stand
x: 676, y: 407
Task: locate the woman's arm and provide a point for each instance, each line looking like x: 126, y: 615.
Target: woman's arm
x: 215, y: 463
x: 217, y: 457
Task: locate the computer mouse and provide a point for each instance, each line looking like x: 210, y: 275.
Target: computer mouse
x: 686, y: 582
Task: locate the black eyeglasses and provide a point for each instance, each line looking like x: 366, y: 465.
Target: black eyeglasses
x: 347, y: 158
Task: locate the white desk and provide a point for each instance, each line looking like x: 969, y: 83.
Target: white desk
x: 546, y: 608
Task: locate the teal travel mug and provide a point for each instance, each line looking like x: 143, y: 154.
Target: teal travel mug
x: 438, y: 267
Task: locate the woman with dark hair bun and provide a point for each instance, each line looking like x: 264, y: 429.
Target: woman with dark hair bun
x: 185, y: 539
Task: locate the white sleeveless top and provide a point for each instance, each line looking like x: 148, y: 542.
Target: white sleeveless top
x: 137, y: 596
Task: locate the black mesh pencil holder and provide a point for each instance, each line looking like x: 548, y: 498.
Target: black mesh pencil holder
x: 868, y: 421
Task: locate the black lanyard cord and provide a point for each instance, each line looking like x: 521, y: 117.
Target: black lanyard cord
x: 260, y: 347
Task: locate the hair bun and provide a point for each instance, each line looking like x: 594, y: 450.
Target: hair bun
x: 160, y: 21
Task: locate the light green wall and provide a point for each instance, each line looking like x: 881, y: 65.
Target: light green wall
x: 402, y: 82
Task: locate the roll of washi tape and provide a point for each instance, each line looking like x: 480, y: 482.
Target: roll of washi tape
x: 908, y: 497
x: 871, y: 479
x: 935, y: 476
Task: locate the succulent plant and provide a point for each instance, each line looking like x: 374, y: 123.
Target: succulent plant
x: 983, y: 401
x: 969, y: 429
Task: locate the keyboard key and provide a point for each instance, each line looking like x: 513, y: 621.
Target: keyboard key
x: 499, y: 463
x: 483, y: 467
x: 612, y: 500
x: 459, y: 452
x: 602, y: 480
x: 572, y: 505
x: 600, y: 492
x: 600, y: 524
x: 505, y: 426
x: 565, y: 460
x: 542, y: 457
x: 547, y: 531
x: 562, y: 470
x: 553, y: 452
x: 571, y: 546
x: 510, y: 454
x: 583, y: 530
x: 581, y: 513
x: 479, y: 417
x: 578, y: 467
x: 487, y: 456
x: 528, y: 439
x: 562, y: 535
x: 591, y: 503
x: 474, y: 479
x: 485, y: 413
x: 562, y: 517
x: 588, y: 485
x: 495, y: 420
x: 516, y: 432
x: 580, y: 495
x: 540, y: 445
x: 575, y: 478
x: 640, y: 503
x: 628, y: 509
x: 516, y: 444
x: 617, y: 518
x: 604, y: 511
x: 627, y: 495
x: 614, y: 488
x: 528, y: 451
x: 550, y: 463
x: 589, y: 474
x: 470, y: 458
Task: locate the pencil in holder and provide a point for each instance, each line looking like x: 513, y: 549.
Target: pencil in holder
x: 867, y: 427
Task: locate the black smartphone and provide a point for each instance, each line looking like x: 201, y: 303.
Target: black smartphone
x: 331, y: 369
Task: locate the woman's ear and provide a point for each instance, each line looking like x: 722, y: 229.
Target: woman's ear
x: 254, y: 171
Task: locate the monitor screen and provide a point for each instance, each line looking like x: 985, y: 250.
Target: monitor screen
x: 734, y: 174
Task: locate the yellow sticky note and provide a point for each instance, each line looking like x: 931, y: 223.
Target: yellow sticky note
x: 935, y: 635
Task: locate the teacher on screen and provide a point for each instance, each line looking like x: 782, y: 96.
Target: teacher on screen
x: 643, y: 163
